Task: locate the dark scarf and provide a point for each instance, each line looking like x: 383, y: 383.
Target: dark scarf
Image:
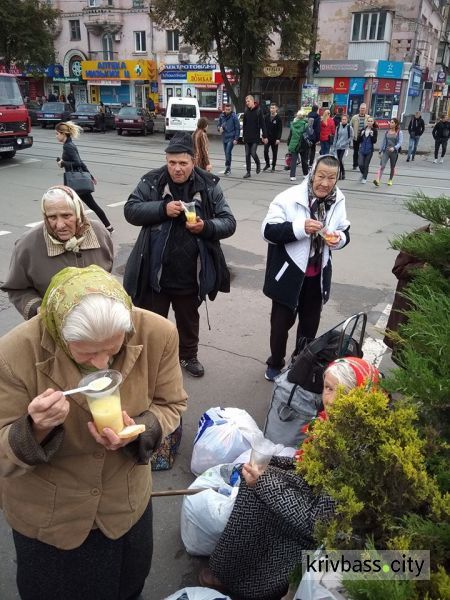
x: 318, y: 208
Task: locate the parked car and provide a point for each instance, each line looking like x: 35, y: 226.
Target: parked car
x: 52, y: 113
x: 87, y: 116
x: 131, y: 118
x: 33, y: 108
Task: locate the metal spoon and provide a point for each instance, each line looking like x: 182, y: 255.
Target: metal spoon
x: 98, y: 385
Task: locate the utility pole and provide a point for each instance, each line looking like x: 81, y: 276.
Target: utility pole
x: 312, y: 42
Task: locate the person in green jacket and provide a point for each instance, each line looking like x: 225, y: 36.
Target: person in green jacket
x: 298, y: 145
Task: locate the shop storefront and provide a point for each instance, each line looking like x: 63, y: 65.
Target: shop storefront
x: 386, y: 92
x: 119, y: 82
x: 31, y: 83
x: 281, y: 82
x: 201, y: 81
x: 341, y: 85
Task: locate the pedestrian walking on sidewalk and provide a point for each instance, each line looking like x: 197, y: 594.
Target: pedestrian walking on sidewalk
x: 71, y: 161
x: 254, y: 128
x: 200, y: 141
x: 274, y: 128
x: 297, y: 145
x: 389, y: 151
x: 229, y: 128
x: 358, y: 122
x: 315, y: 123
x: 416, y: 128
x: 366, y: 143
x: 343, y: 140
x: 441, y: 133
x: 327, y: 131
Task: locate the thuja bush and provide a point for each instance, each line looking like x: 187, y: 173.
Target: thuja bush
x: 368, y: 456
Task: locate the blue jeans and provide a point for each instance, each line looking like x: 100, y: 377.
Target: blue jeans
x: 413, y: 143
x: 228, y: 149
x: 324, y: 148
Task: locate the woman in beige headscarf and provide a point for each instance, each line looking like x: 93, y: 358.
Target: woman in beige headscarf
x: 66, y: 238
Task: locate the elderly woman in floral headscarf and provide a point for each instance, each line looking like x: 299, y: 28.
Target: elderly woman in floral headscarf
x: 78, y: 500
x: 65, y: 238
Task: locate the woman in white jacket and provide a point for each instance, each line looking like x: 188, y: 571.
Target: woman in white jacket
x: 303, y: 224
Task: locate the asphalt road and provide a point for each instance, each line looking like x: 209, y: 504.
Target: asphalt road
x: 235, y: 349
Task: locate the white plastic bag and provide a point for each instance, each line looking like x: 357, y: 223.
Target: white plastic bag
x: 197, y: 593
x: 204, y: 515
x: 223, y: 434
x: 319, y: 586
x: 279, y: 451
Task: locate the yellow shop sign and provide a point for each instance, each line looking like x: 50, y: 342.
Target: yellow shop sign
x: 120, y: 69
x: 200, y: 77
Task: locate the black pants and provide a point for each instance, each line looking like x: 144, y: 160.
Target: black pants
x: 312, y: 154
x: 88, y: 199
x: 437, y: 143
x: 363, y: 163
x: 340, y: 156
x: 355, y: 153
x: 304, y: 158
x: 250, y: 151
x: 185, y: 308
x: 283, y: 318
x: 271, y: 144
x: 99, y: 569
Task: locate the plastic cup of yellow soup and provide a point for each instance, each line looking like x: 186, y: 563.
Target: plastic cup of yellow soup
x: 105, y: 404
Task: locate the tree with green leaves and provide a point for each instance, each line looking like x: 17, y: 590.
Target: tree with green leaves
x: 242, y: 31
x: 26, y: 37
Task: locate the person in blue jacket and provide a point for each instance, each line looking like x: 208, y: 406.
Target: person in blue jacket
x: 229, y: 127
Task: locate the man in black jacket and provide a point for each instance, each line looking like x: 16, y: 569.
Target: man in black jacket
x: 177, y: 261
x: 274, y: 128
x: 252, y: 127
x: 441, y: 133
x: 416, y: 128
x: 314, y: 114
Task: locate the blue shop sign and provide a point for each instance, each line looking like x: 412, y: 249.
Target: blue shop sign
x: 356, y: 86
x: 54, y: 71
x: 341, y: 99
x: 174, y: 75
x: 390, y: 69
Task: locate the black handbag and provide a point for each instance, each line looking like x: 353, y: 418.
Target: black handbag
x: 80, y: 181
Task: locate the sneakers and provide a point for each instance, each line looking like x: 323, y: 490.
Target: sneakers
x: 246, y: 176
x: 192, y: 366
x: 376, y: 182
x: 412, y: 158
x: 355, y: 168
x: 389, y: 182
x: 441, y: 161
x: 271, y: 373
x: 435, y: 161
x: 226, y: 171
x: 258, y: 170
x: 273, y: 169
x: 266, y: 168
x: 293, y: 178
x: 408, y: 159
x: 363, y: 180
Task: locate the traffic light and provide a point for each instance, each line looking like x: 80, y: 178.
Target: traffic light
x: 316, y: 65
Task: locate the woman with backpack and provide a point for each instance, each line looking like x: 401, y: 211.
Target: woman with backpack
x: 297, y: 144
x: 367, y: 140
x: 342, y: 141
x: 389, y: 151
x: 327, y: 131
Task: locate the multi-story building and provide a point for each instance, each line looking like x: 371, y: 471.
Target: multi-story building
x: 382, y: 53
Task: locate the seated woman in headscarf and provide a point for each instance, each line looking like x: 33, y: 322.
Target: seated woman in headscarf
x: 66, y: 238
x: 275, y: 514
x: 78, y: 499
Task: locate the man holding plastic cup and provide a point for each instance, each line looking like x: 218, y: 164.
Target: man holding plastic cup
x: 77, y: 496
x: 177, y: 259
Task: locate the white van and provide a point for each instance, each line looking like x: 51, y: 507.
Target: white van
x: 182, y: 114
